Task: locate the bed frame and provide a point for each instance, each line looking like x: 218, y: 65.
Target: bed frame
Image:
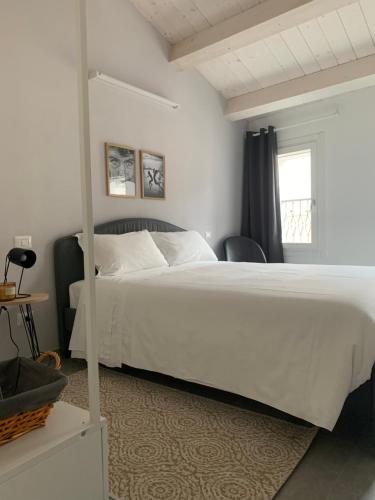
x: 68, y: 258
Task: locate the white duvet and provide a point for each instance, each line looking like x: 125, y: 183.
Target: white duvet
x: 299, y: 338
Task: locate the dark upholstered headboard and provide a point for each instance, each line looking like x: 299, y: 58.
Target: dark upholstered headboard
x: 68, y: 258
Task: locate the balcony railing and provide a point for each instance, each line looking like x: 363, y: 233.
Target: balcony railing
x: 296, y: 220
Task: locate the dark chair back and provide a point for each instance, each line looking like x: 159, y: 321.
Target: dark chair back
x: 242, y: 249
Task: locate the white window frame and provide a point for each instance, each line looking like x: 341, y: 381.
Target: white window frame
x: 312, y: 143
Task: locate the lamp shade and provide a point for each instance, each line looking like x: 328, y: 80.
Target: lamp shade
x: 22, y: 257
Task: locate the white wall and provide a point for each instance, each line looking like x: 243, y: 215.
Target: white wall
x: 203, y: 151
x: 39, y: 189
x: 346, y: 175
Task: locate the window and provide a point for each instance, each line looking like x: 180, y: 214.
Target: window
x: 297, y: 201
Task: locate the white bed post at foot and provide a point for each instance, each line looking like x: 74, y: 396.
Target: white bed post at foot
x: 87, y: 213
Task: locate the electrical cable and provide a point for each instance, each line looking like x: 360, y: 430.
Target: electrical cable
x: 2, y: 308
x: 6, y: 269
x: 21, y: 295
x: 10, y: 330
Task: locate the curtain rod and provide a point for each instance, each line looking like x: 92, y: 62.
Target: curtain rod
x: 97, y: 75
x: 307, y: 122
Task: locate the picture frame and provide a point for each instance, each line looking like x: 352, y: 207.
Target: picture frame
x: 153, y: 175
x: 121, y: 170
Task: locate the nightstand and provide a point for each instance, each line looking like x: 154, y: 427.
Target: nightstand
x: 25, y: 307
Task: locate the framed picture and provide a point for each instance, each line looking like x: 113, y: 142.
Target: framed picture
x: 121, y: 170
x: 152, y: 175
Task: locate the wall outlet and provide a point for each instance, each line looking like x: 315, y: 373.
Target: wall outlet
x: 23, y: 241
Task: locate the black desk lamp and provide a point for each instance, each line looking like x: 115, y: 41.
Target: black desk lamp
x: 20, y: 257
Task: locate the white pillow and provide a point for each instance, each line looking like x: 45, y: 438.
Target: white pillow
x: 124, y: 253
x: 183, y: 246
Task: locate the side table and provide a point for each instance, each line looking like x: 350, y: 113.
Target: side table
x: 25, y: 307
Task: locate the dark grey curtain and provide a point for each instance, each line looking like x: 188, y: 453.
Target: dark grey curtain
x: 260, y: 203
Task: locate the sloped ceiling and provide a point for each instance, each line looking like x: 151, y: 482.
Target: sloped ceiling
x: 334, y: 38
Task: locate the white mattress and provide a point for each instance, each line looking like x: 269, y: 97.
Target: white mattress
x: 297, y: 337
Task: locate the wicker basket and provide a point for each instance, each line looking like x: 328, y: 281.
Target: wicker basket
x: 25, y: 421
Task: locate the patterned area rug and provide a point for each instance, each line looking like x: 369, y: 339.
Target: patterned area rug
x: 165, y: 444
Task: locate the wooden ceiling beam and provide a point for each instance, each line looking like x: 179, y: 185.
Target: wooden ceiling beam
x: 261, y: 21
x: 347, y: 77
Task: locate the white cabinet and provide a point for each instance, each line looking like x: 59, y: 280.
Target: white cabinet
x: 65, y: 460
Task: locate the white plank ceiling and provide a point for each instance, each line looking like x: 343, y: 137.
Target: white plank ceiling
x: 178, y: 19
x: 336, y: 38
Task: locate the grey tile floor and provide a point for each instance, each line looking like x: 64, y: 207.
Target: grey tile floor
x: 333, y: 469
x: 339, y: 465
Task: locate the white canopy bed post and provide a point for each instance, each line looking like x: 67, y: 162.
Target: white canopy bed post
x: 88, y: 233
x: 87, y: 214
x: 72, y: 435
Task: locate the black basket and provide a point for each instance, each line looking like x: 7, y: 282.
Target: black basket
x: 27, y: 385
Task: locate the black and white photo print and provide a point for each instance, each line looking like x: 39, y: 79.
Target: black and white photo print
x: 152, y: 175
x: 121, y: 170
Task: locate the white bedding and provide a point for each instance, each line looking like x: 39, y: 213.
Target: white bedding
x: 74, y: 293
x: 297, y: 337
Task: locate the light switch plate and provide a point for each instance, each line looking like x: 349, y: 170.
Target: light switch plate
x: 23, y: 241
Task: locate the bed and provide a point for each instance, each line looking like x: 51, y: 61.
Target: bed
x: 297, y: 338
